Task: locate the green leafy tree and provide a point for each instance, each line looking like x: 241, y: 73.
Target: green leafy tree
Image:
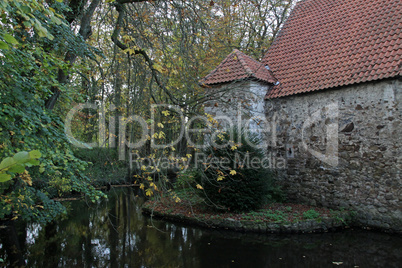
x: 34, y: 35
x: 234, y: 175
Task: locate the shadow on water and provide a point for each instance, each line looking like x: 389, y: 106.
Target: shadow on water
x: 114, y: 233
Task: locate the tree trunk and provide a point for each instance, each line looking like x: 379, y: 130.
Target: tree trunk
x: 85, y: 32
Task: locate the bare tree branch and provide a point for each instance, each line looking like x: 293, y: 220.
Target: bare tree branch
x: 115, y: 38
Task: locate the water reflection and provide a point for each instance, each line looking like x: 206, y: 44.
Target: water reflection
x: 114, y: 233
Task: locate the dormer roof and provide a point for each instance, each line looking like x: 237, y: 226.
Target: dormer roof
x: 235, y: 67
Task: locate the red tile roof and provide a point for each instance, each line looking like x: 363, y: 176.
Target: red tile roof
x: 237, y: 66
x: 331, y: 43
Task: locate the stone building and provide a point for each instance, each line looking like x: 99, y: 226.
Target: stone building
x: 333, y: 107
x: 238, y: 86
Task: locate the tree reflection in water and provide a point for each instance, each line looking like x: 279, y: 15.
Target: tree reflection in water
x: 114, y: 233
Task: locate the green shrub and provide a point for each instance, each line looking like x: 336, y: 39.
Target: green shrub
x: 186, y: 179
x: 233, y: 175
x: 104, y: 167
x: 311, y: 214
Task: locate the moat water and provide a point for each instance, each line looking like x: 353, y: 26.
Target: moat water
x: 114, y: 233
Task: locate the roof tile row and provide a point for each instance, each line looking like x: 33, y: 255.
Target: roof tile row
x: 329, y: 43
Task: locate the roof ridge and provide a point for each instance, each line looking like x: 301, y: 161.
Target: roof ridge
x: 243, y: 62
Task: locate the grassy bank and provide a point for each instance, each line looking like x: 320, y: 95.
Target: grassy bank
x: 273, y: 217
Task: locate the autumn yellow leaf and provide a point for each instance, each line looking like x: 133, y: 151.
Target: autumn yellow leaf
x: 158, y: 67
x: 26, y: 178
x: 220, y: 178
x: 233, y: 172
x: 153, y: 185
x: 165, y: 113
x: 149, y: 192
x: 199, y: 187
x: 162, y: 135
x: 142, y: 186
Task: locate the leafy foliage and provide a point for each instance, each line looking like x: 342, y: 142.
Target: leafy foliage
x: 13, y: 165
x: 24, y: 128
x: 311, y: 214
x: 30, y: 67
x: 228, y: 181
x: 186, y: 179
x: 103, y: 165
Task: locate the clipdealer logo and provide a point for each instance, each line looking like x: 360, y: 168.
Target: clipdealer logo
x: 267, y: 130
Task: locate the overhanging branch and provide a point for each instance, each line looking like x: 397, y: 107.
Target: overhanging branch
x: 115, y: 38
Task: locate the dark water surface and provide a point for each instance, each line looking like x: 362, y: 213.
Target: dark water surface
x: 114, y: 233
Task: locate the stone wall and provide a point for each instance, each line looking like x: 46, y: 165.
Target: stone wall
x: 343, y: 149
x: 241, y: 102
